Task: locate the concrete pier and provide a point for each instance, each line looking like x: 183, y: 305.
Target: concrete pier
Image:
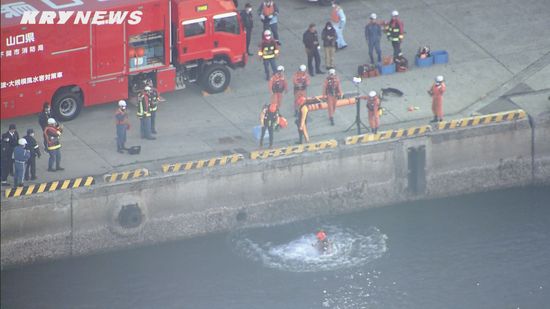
x: 171, y: 206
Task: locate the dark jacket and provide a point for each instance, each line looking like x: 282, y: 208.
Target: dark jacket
x: 32, y: 146
x: 373, y: 32
x: 248, y: 23
x: 310, y: 39
x: 329, y: 37
x: 9, y: 143
x: 43, y: 119
x: 5, y: 154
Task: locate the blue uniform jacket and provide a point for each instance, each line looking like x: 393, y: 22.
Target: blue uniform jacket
x: 21, y: 154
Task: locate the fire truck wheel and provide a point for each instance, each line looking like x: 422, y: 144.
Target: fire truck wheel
x: 215, y: 78
x: 66, y: 105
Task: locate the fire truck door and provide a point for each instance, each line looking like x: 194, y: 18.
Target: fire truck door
x: 108, y: 50
x: 196, y: 40
x: 227, y: 30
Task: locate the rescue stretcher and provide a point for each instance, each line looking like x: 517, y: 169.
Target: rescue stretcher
x: 320, y: 102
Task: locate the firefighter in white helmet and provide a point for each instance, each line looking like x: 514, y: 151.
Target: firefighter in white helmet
x: 277, y: 85
x: 332, y: 90
x: 301, y: 81
x: 395, y: 32
x: 373, y: 107
x: 52, y: 134
x: 122, y: 125
x: 269, y: 50
x: 436, y: 91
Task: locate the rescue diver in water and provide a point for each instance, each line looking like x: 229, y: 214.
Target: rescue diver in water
x: 323, y: 245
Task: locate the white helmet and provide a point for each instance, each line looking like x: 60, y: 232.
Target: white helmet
x: 147, y: 88
x: 280, y: 68
x: 303, y: 67
x: 267, y: 32
x: 22, y: 142
x: 439, y: 78
x: 51, y: 121
x: 332, y: 71
x: 121, y: 103
x: 373, y: 16
x: 394, y: 13
x: 372, y: 94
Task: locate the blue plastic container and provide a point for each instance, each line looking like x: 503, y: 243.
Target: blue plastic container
x: 424, y: 62
x: 440, y: 56
x: 386, y: 69
x: 257, y: 131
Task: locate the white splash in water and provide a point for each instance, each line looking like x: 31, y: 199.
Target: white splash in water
x: 348, y: 249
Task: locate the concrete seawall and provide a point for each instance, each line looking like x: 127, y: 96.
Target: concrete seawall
x: 173, y: 206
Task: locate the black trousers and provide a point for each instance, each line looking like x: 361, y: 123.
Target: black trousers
x: 270, y: 131
x: 396, y: 48
x: 248, y: 38
x: 153, y: 117
x: 7, y: 168
x: 313, y: 54
x: 30, y: 167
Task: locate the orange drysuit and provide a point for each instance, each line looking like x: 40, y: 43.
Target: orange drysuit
x: 437, y: 99
x: 332, y: 90
x: 278, y: 85
x: 373, y: 106
x: 301, y: 81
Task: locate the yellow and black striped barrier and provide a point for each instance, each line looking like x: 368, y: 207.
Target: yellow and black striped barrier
x: 264, y: 154
x: 482, y: 119
x: 51, y: 186
x: 193, y: 165
x: 126, y: 175
x: 384, y: 135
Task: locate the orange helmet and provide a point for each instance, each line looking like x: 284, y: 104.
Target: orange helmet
x: 272, y: 107
x: 321, y: 235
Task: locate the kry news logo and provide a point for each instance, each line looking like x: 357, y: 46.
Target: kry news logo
x: 31, y: 16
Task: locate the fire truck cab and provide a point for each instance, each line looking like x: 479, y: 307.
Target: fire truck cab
x: 75, y: 54
x: 208, y: 38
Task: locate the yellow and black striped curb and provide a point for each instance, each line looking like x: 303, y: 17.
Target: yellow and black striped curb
x: 384, y: 135
x: 51, y: 186
x: 264, y: 154
x: 126, y: 175
x: 191, y: 165
x: 482, y: 119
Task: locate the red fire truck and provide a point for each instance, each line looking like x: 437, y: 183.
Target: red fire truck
x: 76, y: 53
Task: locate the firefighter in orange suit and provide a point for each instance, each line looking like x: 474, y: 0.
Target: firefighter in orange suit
x: 437, y: 90
x: 332, y: 90
x: 301, y: 120
x: 278, y: 85
x: 373, y: 106
x: 122, y: 125
x: 301, y: 81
